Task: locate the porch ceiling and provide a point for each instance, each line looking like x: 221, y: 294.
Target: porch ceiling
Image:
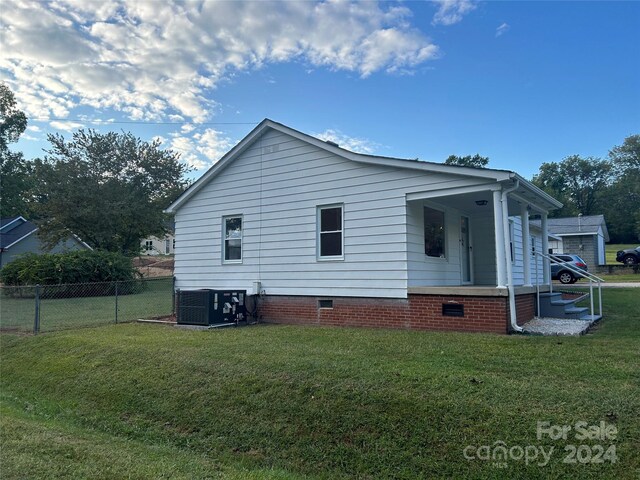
x: 471, y: 203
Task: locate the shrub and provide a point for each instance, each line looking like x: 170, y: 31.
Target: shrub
x: 82, y: 266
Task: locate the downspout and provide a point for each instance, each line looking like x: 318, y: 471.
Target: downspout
x: 505, y: 229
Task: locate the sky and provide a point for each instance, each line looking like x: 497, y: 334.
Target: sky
x: 519, y: 82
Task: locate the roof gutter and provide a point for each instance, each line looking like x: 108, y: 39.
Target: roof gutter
x: 505, y: 229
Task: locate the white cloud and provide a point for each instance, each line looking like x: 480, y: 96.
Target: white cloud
x: 452, y: 11
x: 359, y: 145
x: 202, y: 149
x: 67, y: 126
x: 502, y: 29
x: 34, y: 128
x: 157, y: 60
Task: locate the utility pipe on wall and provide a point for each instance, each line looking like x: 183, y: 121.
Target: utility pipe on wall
x: 506, y: 239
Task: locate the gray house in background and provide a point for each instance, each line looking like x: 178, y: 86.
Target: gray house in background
x: 18, y: 236
x: 584, y: 235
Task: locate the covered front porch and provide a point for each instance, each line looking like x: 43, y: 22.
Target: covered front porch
x: 477, y: 236
x: 473, y: 248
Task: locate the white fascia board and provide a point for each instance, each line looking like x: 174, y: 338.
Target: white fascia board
x: 20, y: 239
x: 218, y: 166
x: 484, y: 173
x: 20, y: 217
x: 539, y: 193
x: 488, y: 173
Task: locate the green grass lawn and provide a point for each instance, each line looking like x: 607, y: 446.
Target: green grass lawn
x: 147, y: 401
x: 61, y: 313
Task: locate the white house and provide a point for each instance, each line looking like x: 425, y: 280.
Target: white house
x: 337, y: 237
x: 158, y: 246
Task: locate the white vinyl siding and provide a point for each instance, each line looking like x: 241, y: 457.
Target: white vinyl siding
x: 277, y: 184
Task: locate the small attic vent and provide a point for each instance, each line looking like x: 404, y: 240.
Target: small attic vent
x: 332, y: 143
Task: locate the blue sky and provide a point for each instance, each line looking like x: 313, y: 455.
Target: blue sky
x: 520, y: 82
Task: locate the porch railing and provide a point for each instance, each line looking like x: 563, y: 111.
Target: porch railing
x: 575, y: 270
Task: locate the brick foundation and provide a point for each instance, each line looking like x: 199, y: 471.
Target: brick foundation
x: 525, y: 308
x: 417, y: 312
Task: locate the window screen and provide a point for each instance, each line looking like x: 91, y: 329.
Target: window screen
x: 330, y: 224
x: 233, y: 238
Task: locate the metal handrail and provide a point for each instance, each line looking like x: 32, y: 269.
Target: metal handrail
x: 578, y: 271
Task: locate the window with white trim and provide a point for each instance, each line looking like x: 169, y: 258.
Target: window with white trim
x: 434, y: 233
x: 232, y: 239
x: 330, y: 232
x: 148, y: 245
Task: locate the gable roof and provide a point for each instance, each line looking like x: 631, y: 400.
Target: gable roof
x: 13, y: 230
x: 582, y: 225
x: 246, y: 142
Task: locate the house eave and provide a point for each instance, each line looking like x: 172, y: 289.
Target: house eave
x: 20, y: 239
x: 549, y: 203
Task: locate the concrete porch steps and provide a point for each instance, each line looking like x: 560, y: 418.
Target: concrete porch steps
x: 560, y: 316
x: 552, y: 305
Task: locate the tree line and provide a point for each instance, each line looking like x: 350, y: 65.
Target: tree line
x: 591, y: 186
x: 108, y: 189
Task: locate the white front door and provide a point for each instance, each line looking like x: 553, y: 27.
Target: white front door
x: 465, y: 249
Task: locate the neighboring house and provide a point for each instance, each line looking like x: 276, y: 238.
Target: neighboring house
x: 159, y: 246
x: 18, y: 235
x: 329, y: 236
x: 584, y: 235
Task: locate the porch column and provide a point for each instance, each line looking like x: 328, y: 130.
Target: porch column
x: 546, y: 268
x: 526, y: 243
x: 501, y: 265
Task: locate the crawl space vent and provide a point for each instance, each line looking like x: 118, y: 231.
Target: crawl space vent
x: 452, y: 310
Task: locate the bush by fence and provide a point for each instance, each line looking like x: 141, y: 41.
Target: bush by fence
x: 82, y: 266
x: 55, y: 307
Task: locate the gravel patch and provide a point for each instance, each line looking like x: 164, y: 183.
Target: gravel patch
x: 557, y: 326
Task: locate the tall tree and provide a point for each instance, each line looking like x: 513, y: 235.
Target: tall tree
x: 577, y: 182
x: 627, y: 155
x: 109, y: 189
x: 15, y: 171
x: 13, y: 121
x: 475, y: 161
x: 622, y: 208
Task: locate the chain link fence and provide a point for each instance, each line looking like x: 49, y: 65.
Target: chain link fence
x: 46, y: 308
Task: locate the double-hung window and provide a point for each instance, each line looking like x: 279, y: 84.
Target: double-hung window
x: 232, y: 239
x: 330, y: 232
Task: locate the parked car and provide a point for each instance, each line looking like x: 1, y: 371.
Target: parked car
x: 630, y: 256
x: 560, y: 272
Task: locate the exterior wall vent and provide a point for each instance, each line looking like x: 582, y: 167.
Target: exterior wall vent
x: 325, y: 303
x: 452, y: 310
